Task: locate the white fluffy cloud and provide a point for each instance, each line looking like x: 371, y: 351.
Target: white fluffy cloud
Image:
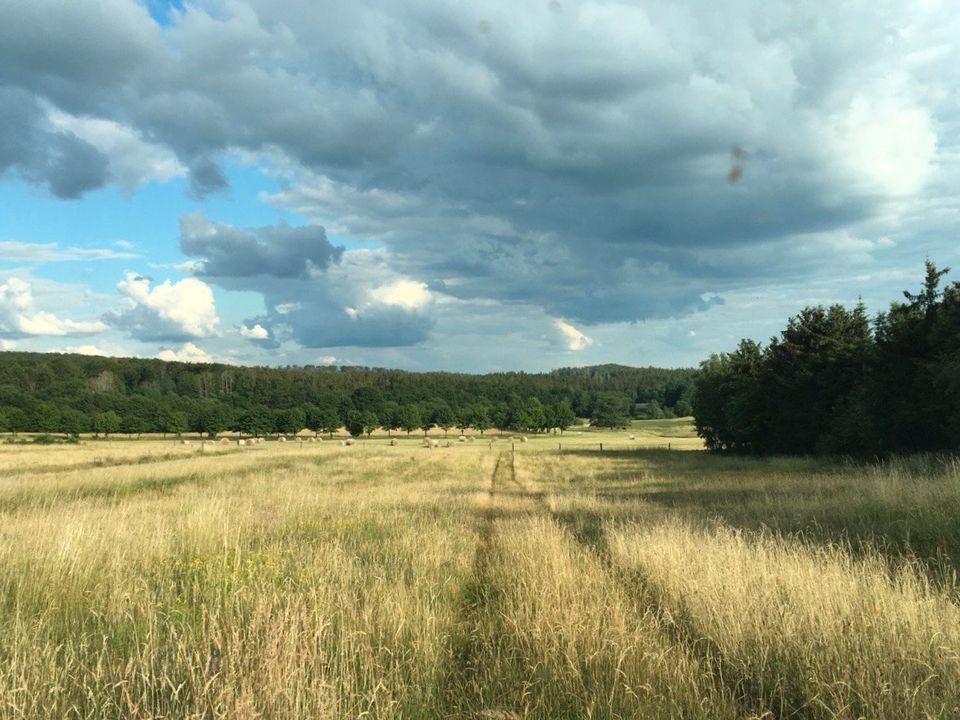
x: 167, y: 311
x: 188, y: 352
x: 572, y: 338
x: 408, y: 294
x: 257, y: 332
x: 19, y: 317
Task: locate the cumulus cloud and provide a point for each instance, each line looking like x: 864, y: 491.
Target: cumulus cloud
x: 280, y: 251
x: 188, y: 353
x: 19, y: 317
x: 572, y: 338
x: 317, y: 294
x: 166, y: 311
x: 257, y: 332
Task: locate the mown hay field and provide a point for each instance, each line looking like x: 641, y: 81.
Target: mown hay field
x: 483, y: 580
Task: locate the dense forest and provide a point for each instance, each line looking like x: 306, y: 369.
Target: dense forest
x: 74, y: 394
x: 835, y: 382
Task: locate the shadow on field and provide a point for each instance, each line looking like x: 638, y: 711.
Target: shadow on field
x: 900, y: 507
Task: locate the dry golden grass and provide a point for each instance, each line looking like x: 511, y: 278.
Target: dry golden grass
x: 147, y: 580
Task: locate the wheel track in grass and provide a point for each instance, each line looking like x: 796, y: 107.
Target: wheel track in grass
x: 587, y: 529
x: 475, y: 635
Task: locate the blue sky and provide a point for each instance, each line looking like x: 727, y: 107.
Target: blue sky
x: 429, y: 185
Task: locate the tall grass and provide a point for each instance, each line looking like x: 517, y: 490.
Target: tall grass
x: 158, y: 581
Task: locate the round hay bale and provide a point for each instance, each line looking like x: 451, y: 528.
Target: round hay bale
x: 394, y: 442
x: 633, y: 437
x: 462, y: 438
x: 523, y: 439
x: 282, y: 438
x: 349, y: 441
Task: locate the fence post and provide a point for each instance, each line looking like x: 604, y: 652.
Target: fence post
x: 601, y: 447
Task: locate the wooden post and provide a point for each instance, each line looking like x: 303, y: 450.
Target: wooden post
x: 601, y: 447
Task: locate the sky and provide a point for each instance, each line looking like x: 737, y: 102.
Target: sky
x: 484, y: 186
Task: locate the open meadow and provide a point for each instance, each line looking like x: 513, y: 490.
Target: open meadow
x: 494, y: 578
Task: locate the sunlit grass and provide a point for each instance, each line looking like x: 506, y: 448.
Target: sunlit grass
x: 148, y: 580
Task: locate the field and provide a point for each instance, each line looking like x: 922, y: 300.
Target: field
x: 491, y: 579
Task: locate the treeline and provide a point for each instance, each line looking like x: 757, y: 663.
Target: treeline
x: 74, y: 394
x: 834, y: 382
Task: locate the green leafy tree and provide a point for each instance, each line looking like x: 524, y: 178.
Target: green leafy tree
x: 390, y: 416
x: 256, y: 421
x: 210, y: 417
x: 355, y: 424
x: 464, y: 419
x: 536, y: 414
x: 501, y: 416
x: 73, y: 422
x: 409, y: 418
x: 17, y: 420
x: 370, y: 421
x: 443, y: 417
x: 561, y: 415
x: 134, y: 423
x: 291, y: 421
x: 105, y: 423
x: 46, y: 417
x: 610, y: 411
x: 480, y: 418
x: 328, y: 420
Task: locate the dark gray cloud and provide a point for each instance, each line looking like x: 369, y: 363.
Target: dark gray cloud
x: 280, y: 251
x: 206, y: 177
x: 67, y: 165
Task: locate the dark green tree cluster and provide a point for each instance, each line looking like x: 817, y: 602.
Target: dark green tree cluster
x: 834, y: 383
x: 75, y: 394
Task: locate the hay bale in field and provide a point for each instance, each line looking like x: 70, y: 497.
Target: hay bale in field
x: 523, y: 439
x: 431, y: 443
x: 633, y: 437
x: 184, y: 442
x: 224, y: 441
x: 282, y: 438
x: 251, y: 442
x: 394, y: 442
x: 241, y: 442
x: 349, y: 441
x: 462, y: 438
